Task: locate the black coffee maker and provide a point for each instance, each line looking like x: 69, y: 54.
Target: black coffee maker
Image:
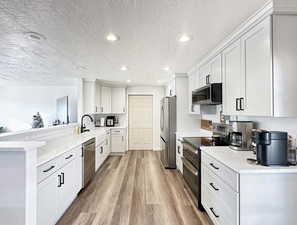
x: 271, y: 148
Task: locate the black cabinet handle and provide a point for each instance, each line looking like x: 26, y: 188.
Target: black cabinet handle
x: 63, y: 178
x: 212, y: 185
x: 101, y: 151
x: 60, y: 180
x: 241, y: 104
x: 178, y: 149
x: 213, y: 212
x: 68, y: 157
x: 237, y: 104
x: 47, y: 170
x: 213, y: 166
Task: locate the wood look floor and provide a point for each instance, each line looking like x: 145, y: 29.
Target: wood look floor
x: 134, y: 190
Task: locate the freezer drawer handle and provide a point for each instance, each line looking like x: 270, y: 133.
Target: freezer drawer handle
x: 214, y: 187
x: 47, y: 170
x: 213, y: 212
x: 213, y: 166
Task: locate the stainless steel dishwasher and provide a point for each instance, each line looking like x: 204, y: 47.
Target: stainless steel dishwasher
x: 88, y: 160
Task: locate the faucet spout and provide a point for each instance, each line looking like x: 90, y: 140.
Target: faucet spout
x: 82, y: 126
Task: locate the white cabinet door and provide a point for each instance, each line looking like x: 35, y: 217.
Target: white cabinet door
x: 216, y: 70
x: 204, y: 74
x: 89, y: 97
x: 68, y: 191
x: 118, y: 100
x: 78, y: 169
x: 257, y: 68
x: 105, y: 99
x: 233, y: 85
x: 118, y: 144
x: 97, y: 98
x: 193, y: 109
x: 47, y: 201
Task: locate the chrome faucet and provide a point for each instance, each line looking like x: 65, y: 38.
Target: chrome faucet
x: 82, y: 126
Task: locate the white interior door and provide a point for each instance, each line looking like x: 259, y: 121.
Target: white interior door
x: 140, y: 122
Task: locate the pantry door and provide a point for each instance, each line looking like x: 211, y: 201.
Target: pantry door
x: 140, y: 122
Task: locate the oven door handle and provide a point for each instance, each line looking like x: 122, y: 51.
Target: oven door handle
x: 189, y: 167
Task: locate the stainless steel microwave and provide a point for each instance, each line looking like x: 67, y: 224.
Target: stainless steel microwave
x: 208, y: 95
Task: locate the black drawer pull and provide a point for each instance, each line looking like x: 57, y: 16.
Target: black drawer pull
x: 213, y: 186
x: 47, y: 170
x: 213, y: 212
x: 213, y: 166
x: 68, y: 157
x: 60, y: 180
x: 63, y: 178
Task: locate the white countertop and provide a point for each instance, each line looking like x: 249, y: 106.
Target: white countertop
x: 59, y: 146
x: 196, y: 133
x: 20, y: 145
x: 237, y: 161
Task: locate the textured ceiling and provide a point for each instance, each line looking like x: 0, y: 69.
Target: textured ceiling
x: 73, y: 31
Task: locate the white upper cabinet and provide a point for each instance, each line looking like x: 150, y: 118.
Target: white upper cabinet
x: 233, y: 82
x: 257, y: 70
x: 247, y: 66
x: 89, y: 96
x: 105, y: 99
x: 118, y: 100
x: 204, y: 75
x: 216, y: 69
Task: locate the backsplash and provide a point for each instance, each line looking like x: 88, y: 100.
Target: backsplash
x: 269, y: 123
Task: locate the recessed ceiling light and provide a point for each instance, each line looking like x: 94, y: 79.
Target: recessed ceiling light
x: 112, y: 37
x: 166, y: 68
x: 184, y: 38
x: 124, y: 68
x: 128, y: 81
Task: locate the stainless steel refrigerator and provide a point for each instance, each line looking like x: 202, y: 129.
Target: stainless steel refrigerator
x: 168, y: 129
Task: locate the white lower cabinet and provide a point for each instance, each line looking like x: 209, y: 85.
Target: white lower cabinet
x: 219, y: 192
x: 118, y: 140
x: 56, y: 192
x: 47, y: 201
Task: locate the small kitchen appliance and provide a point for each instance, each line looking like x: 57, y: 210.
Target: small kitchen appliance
x: 241, y: 135
x: 100, y: 122
x: 110, y: 121
x: 271, y: 148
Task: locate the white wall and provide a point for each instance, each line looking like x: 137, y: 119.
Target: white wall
x: 20, y: 103
x: 158, y: 93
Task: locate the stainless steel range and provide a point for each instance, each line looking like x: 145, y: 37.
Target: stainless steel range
x: 192, y: 159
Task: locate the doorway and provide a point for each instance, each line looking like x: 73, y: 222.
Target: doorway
x: 140, y: 122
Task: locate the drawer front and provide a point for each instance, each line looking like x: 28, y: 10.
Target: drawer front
x: 70, y: 155
x: 119, y: 132
x: 226, y: 174
x: 48, y: 168
x: 215, y: 208
x: 228, y: 197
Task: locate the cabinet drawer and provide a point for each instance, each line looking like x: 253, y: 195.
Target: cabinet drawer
x: 69, y: 156
x: 229, y: 176
x: 215, y: 208
x: 115, y: 132
x: 49, y: 168
x: 228, y: 197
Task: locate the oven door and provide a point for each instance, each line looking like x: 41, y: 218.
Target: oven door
x: 191, y: 176
x: 192, y: 155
